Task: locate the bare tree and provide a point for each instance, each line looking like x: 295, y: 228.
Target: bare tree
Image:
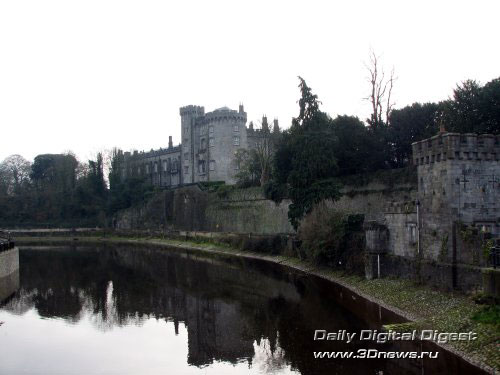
x: 15, y: 171
x: 381, y: 91
x: 264, y: 151
x: 257, y: 162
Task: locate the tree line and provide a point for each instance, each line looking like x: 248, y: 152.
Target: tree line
x: 58, y: 190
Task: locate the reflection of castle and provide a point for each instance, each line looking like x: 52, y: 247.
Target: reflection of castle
x: 215, y: 330
x: 144, y: 285
x: 206, y: 153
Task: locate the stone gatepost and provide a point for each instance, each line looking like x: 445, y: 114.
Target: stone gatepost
x: 376, y: 240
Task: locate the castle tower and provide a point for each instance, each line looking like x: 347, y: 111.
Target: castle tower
x: 226, y: 134
x: 189, y: 115
x: 458, y: 180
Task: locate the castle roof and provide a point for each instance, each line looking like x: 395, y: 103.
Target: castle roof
x: 224, y: 109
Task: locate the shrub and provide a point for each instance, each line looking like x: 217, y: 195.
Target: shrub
x: 223, y: 191
x: 332, y: 238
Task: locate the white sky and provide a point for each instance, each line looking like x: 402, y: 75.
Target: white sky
x: 88, y: 75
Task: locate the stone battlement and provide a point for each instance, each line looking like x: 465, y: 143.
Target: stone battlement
x: 455, y: 146
x: 192, y: 110
x: 148, y: 154
x: 229, y: 115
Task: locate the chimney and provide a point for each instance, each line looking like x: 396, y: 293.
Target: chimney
x: 170, y: 141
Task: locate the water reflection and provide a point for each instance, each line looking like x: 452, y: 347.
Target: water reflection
x: 226, y: 315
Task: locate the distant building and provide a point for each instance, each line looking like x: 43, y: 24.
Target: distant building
x: 206, y: 153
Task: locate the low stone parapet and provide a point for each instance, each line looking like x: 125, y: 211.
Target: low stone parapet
x: 9, y: 272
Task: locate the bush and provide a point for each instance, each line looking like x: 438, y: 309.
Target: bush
x: 223, y: 191
x: 332, y: 238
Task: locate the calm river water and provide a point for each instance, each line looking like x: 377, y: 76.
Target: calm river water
x: 137, y: 310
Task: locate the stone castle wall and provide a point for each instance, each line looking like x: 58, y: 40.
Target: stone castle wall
x: 247, y: 211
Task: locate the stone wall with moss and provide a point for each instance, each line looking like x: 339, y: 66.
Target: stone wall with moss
x: 190, y: 208
x: 246, y: 211
x: 227, y: 209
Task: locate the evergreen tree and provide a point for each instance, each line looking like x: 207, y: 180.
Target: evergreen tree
x: 305, y: 159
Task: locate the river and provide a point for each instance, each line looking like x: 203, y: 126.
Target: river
x: 142, y: 310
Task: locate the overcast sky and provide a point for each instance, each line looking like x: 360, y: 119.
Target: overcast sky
x: 89, y: 75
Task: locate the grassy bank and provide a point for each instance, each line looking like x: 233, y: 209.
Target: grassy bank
x: 424, y: 307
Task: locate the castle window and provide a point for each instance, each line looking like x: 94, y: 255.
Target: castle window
x: 156, y: 168
x: 236, y: 141
x: 186, y: 156
x: 165, y: 166
x: 212, y: 165
x: 201, y: 166
x: 147, y: 168
x: 236, y: 128
x: 432, y: 159
x: 211, y: 129
x: 211, y: 142
x: 186, y: 170
x: 475, y: 155
x: 203, y: 143
x: 438, y: 157
x: 412, y: 233
x: 427, y: 160
x: 457, y: 155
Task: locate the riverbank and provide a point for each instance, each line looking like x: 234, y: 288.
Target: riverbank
x: 424, y: 308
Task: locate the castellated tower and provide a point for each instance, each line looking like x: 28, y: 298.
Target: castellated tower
x: 458, y: 181
x: 190, y: 116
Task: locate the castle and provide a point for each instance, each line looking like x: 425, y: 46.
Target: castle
x: 206, y: 153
